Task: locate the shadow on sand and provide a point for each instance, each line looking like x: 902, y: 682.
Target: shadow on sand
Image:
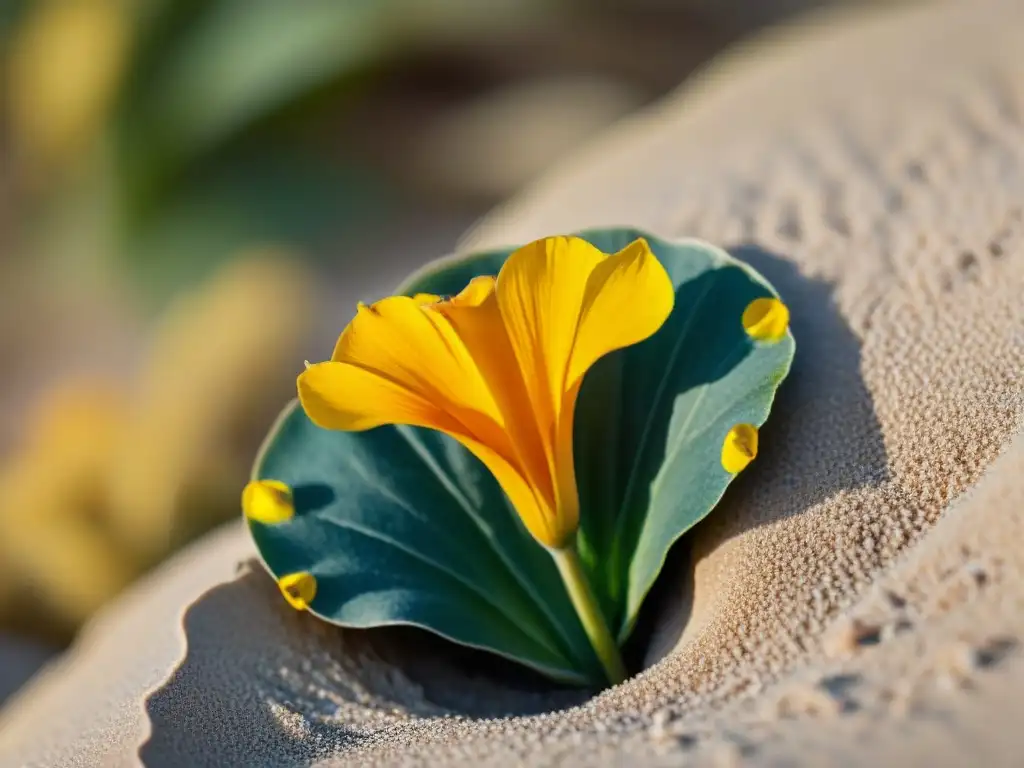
x: 263, y: 685
x: 823, y: 438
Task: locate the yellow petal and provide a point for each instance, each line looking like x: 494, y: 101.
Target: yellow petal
x: 298, y: 589
x: 766, y: 319
x: 399, y: 362
x: 739, y: 448
x: 528, y: 499
x: 426, y: 298
x: 564, y: 304
x: 268, y: 501
x: 475, y: 316
x: 413, y: 347
x: 346, y: 397
x: 540, y: 292
x: 479, y: 290
x: 628, y: 297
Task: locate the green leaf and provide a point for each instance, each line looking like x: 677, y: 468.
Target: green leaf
x: 651, y: 419
x: 235, y: 62
x: 209, y: 71
x: 402, y: 525
x: 242, y: 201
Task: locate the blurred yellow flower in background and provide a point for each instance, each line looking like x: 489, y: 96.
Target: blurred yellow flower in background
x: 56, y: 557
x: 111, y: 478
x: 63, y: 70
x: 217, y: 362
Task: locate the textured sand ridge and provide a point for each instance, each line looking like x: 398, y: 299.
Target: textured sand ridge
x: 860, y: 593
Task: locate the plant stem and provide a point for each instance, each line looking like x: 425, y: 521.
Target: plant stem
x: 583, y: 600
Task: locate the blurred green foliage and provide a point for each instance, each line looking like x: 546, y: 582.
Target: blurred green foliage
x: 158, y: 137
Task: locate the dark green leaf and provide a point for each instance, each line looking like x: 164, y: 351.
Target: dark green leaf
x: 651, y: 419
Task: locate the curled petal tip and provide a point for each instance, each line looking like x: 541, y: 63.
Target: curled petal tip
x: 298, y: 589
x: 766, y: 319
x: 268, y: 502
x: 739, y: 448
x: 426, y: 298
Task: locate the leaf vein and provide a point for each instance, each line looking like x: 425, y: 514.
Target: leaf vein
x: 448, y: 484
x: 419, y: 556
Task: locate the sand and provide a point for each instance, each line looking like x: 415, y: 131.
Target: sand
x: 858, y: 599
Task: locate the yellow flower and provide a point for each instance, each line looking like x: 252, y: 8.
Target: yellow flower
x: 65, y: 65
x: 499, y: 366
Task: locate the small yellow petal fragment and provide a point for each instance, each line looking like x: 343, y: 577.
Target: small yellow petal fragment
x: 766, y: 319
x: 298, y: 589
x: 475, y: 293
x: 739, y: 448
x: 268, y: 502
x: 426, y: 298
